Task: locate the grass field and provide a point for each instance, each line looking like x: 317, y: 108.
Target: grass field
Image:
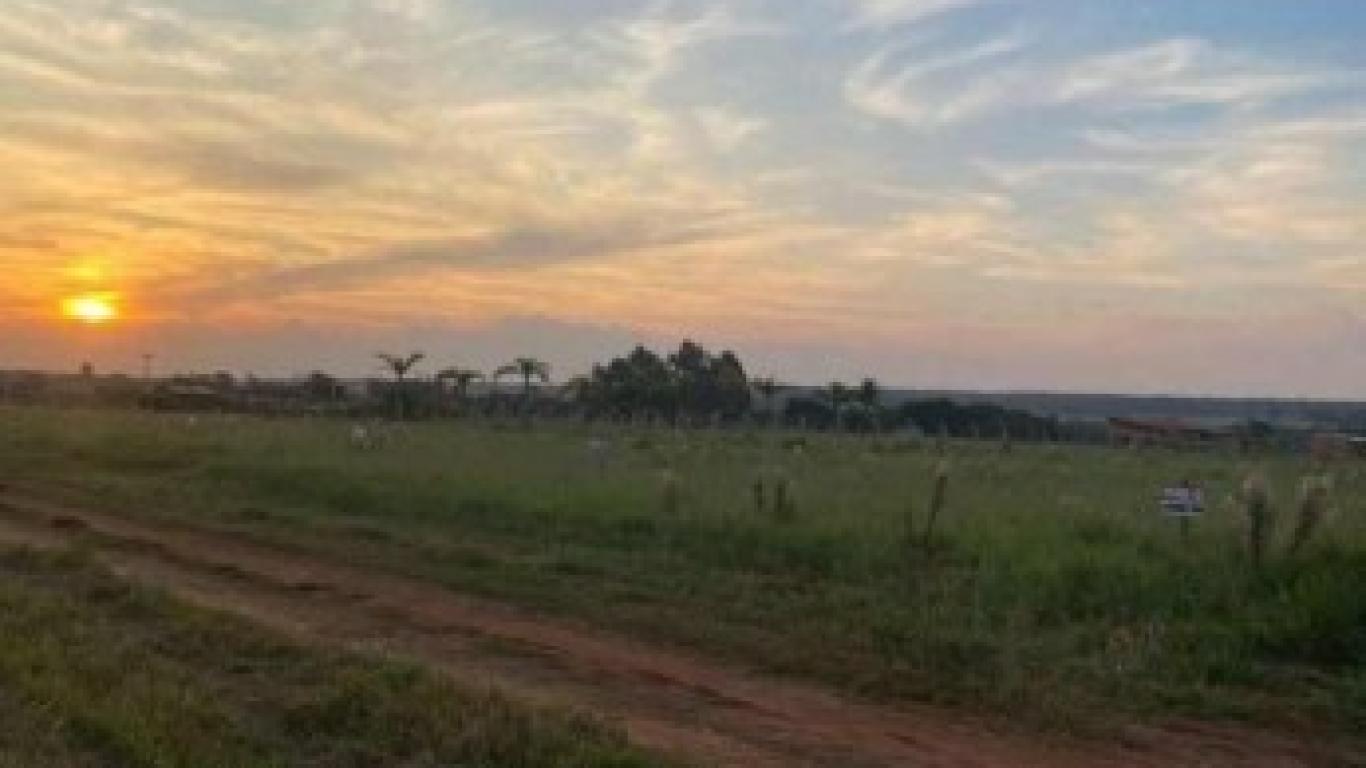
x: 1056, y: 591
x: 95, y: 672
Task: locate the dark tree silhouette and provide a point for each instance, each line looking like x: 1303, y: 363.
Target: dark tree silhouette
x: 836, y: 394
x: 768, y: 389
x: 460, y: 380
x: 869, y: 396
x: 528, y: 369
x: 321, y: 386
x: 400, y: 366
x: 690, y: 383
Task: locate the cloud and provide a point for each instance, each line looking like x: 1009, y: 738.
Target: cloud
x: 923, y: 88
x: 1275, y: 190
x: 274, y: 155
x: 726, y: 130
x: 885, y: 86
x: 520, y: 250
x: 1183, y: 71
x: 1021, y: 173
x: 1268, y: 182
x: 653, y: 43
x: 881, y: 14
x: 225, y: 166
x: 711, y: 168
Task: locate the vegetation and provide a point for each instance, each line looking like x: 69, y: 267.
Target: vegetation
x: 1053, y: 589
x: 460, y: 380
x: 690, y: 385
x: 400, y: 366
x: 96, y: 672
x: 529, y: 370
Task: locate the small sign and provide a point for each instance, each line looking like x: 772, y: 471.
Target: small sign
x: 1182, y: 502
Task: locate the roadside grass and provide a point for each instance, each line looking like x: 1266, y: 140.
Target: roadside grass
x: 1055, y: 592
x: 97, y: 672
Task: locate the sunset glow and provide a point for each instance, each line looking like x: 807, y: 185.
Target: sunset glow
x: 92, y: 309
x: 1155, y: 196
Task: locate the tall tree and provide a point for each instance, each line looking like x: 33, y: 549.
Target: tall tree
x: 460, y: 380
x: 727, y: 387
x: 584, y: 390
x: 400, y: 366
x: 321, y: 386
x: 690, y: 382
x: 869, y: 395
x: 692, y: 373
x: 638, y: 384
x: 528, y: 369
x: 836, y: 394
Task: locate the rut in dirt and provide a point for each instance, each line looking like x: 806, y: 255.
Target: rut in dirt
x: 676, y: 703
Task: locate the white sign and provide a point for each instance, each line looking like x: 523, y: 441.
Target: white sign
x: 1182, y: 502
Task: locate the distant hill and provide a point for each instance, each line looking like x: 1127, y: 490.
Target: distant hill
x: 1212, y: 411
x: 1096, y: 407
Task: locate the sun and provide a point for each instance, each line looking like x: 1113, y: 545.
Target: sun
x: 91, y: 308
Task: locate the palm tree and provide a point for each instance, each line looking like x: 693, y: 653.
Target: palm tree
x: 460, y: 379
x: 400, y: 366
x: 527, y: 368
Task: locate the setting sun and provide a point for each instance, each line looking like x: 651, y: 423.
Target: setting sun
x: 93, y: 309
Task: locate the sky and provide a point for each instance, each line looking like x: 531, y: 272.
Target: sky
x: 1080, y: 195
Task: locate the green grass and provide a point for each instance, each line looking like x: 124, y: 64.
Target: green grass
x: 95, y: 672
x: 1056, y: 593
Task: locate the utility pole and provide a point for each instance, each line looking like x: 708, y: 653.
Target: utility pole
x: 147, y: 358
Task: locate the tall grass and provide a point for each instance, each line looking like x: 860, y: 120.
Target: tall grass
x: 96, y: 672
x: 1057, y: 589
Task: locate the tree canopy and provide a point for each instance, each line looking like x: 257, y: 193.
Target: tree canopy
x: 690, y: 383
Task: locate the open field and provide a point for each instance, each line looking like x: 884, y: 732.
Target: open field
x: 1055, y: 593
x: 97, y: 672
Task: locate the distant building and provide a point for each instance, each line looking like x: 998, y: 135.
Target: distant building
x: 1336, y: 445
x: 1167, y: 432
x: 186, y: 397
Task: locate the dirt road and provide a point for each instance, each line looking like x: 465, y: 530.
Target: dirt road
x: 706, y: 712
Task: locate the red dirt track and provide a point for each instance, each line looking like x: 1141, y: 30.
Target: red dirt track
x: 671, y: 701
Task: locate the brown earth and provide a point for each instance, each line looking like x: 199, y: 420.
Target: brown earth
x: 676, y: 703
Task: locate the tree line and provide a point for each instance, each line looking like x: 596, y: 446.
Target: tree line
x: 688, y: 386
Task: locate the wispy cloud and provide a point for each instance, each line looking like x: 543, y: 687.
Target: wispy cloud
x: 653, y: 44
x: 727, y: 130
x: 1183, y: 71
x: 880, y: 14
x: 796, y: 174
x: 913, y: 91
x: 1016, y: 174
x: 924, y: 88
